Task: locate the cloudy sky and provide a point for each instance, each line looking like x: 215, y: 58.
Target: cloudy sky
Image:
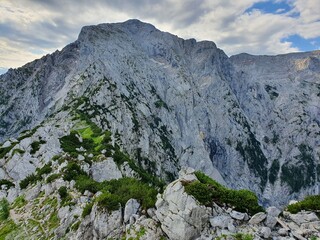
x: 30, y: 29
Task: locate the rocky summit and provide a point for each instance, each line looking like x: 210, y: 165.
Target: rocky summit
x: 126, y: 107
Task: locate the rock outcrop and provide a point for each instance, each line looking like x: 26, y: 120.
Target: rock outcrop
x: 176, y: 215
x: 179, y: 214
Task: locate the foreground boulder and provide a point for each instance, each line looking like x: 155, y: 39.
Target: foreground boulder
x: 180, y: 215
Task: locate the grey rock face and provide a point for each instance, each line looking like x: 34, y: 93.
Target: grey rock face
x: 131, y: 208
x: 265, y: 232
x: 221, y: 221
x: 272, y: 215
x: 105, y: 170
x: 176, y: 103
x: 179, y: 214
x: 237, y: 215
x: 257, y: 218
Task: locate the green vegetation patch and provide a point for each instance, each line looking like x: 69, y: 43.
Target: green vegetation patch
x: 19, y: 202
x: 75, y: 226
x: 46, y: 169
x: 4, y: 209
x: 70, y: 142
x: 17, y: 150
x: 5, y: 150
x: 27, y: 133
x: 84, y: 182
x: 6, y: 228
x: 33, y: 178
x: 53, y: 177
x: 6, y: 182
x: 63, y: 192
x: 30, y: 179
x: 243, y: 236
x: 207, y: 191
x: 87, y: 209
x: 93, y: 139
x: 117, y: 192
x: 310, y: 203
x: 72, y: 171
x: 35, y: 146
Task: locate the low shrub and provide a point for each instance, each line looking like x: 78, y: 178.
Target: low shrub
x: 87, y: 210
x: 200, y: 192
x: 75, y: 226
x: 110, y: 201
x: 7, y: 228
x: 84, y: 182
x: 6, y: 182
x: 243, y: 236
x: 17, y: 150
x: 30, y: 179
x: 243, y: 200
x: 53, y: 177
x: 207, y: 191
x: 117, y: 192
x: 72, y: 171
x: 46, y: 169
x: 63, y: 192
x: 33, y: 178
x: 4, y: 209
x: 5, y: 150
x: 35, y: 146
x: 310, y: 203
x: 69, y: 143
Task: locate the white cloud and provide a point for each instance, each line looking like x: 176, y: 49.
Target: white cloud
x: 30, y: 28
x: 309, y: 10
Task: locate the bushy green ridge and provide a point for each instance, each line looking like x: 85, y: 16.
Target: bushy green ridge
x: 207, y: 191
x: 310, y: 203
x: 115, y: 192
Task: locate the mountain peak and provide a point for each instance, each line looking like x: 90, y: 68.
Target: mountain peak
x: 132, y: 26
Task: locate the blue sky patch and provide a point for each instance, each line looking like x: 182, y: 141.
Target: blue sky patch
x: 303, y: 44
x: 3, y: 70
x: 271, y: 7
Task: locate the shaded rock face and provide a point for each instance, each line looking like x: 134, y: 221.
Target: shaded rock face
x: 247, y: 121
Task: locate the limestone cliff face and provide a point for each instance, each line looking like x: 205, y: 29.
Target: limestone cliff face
x: 247, y: 121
